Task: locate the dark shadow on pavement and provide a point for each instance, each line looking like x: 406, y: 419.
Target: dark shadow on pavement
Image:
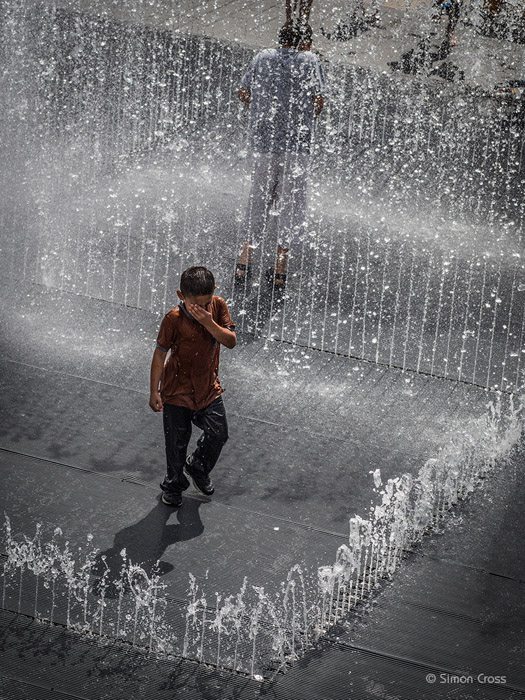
x: 146, y: 541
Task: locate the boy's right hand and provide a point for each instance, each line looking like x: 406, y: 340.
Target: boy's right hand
x: 155, y: 402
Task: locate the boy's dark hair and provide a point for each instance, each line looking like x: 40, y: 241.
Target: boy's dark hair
x: 295, y: 33
x: 197, y: 282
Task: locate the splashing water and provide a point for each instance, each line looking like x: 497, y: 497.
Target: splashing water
x: 412, y: 259
x: 413, y: 254
x: 254, y: 631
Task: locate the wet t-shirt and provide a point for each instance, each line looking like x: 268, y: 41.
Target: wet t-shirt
x: 190, y: 376
x: 282, y: 83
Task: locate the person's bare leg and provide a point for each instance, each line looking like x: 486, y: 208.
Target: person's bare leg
x: 280, y: 264
x: 304, y: 10
x: 288, y: 11
x: 436, y: 14
x: 451, y: 26
x: 245, y: 258
x: 300, y: 10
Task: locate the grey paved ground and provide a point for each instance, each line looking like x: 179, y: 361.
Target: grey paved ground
x: 81, y: 449
x: 451, y: 619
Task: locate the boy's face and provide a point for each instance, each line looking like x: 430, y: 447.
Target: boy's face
x: 204, y: 300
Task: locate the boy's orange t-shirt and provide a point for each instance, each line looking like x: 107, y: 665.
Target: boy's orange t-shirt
x: 190, y: 376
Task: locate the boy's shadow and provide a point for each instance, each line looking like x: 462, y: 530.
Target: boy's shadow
x: 146, y: 541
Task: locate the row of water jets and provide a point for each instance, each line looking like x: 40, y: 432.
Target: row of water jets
x: 408, y: 214
x: 252, y: 631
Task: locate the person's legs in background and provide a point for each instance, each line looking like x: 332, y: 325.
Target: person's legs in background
x: 453, y: 17
x: 256, y: 220
x: 450, y: 11
x: 292, y: 190
x: 281, y: 261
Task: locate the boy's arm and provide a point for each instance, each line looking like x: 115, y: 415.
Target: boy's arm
x: 221, y: 334
x: 157, y: 365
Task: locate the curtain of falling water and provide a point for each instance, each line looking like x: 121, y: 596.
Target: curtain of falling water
x: 132, y: 163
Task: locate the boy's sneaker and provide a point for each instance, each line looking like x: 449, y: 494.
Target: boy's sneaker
x: 202, y: 483
x: 172, y: 499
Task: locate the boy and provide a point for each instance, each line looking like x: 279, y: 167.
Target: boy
x: 189, y: 390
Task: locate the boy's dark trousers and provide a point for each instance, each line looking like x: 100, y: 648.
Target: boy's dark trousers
x: 177, y: 432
